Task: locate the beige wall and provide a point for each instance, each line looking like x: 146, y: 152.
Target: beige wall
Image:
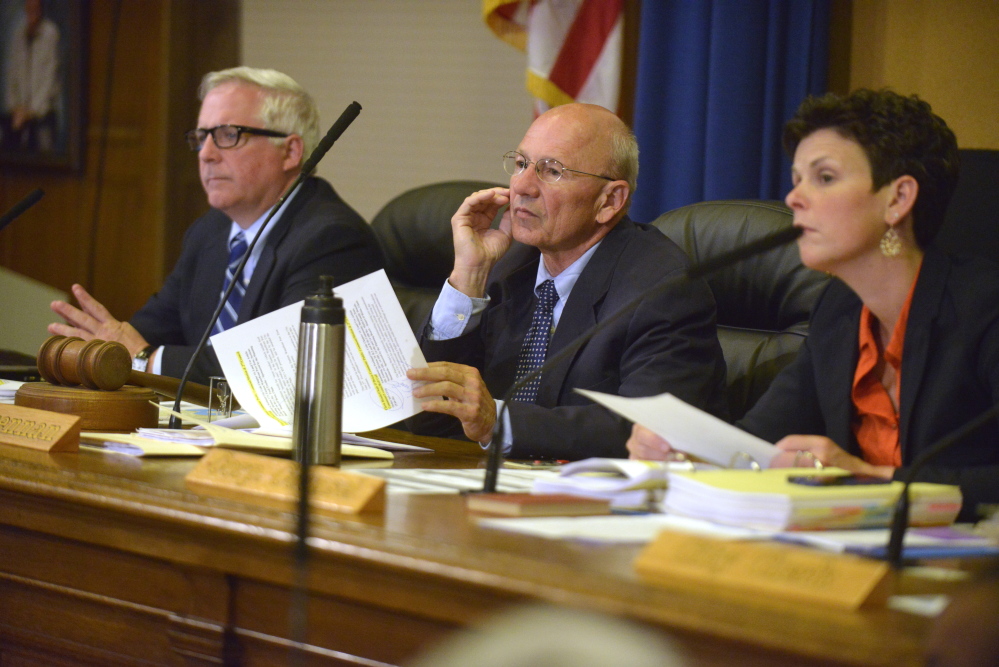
x: 946, y: 51
x: 442, y: 97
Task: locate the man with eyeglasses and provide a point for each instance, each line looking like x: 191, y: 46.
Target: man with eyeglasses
x: 255, y: 129
x: 565, y: 257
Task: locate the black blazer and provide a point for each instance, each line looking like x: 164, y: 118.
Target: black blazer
x: 668, y: 343
x: 318, y: 234
x: 949, y: 375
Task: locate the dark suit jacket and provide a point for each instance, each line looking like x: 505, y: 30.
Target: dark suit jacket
x: 668, y: 343
x: 318, y: 234
x: 950, y: 374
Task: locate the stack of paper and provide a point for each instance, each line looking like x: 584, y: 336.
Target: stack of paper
x: 768, y: 500
x: 7, y: 390
x: 625, y: 483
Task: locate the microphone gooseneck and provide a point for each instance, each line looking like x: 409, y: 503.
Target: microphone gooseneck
x: 698, y: 270
x: 326, y: 143
x: 20, y: 207
x: 900, y: 517
x: 338, y: 128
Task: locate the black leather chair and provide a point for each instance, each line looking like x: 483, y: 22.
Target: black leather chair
x: 414, y: 230
x: 971, y: 226
x: 763, y: 302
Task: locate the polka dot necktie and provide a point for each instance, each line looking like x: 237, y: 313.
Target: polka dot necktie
x: 229, y: 315
x: 532, y: 354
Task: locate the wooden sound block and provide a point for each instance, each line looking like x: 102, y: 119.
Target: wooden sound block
x: 124, y: 409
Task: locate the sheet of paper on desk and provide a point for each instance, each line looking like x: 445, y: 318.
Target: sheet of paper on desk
x: 618, y: 529
x: 137, y: 445
x: 433, y: 480
x: 354, y: 439
x: 936, y: 542
x: 688, y: 429
x: 204, y: 438
x: 259, y: 359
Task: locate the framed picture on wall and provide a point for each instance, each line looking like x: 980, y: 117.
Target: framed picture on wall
x: 42, y: 92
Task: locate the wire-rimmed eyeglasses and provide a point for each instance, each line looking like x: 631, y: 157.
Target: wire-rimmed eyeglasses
x: 548, y: 169
x: 225, y: 136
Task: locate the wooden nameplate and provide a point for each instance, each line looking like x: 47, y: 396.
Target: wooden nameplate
x: 271, y: 482
x: 39, y: 429
x: 775, y: 570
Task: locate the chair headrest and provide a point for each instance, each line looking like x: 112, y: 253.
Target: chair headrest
x: 772, y: 291
x: 414, y: 230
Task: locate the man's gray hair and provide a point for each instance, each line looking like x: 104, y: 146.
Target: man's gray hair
x: 286, y: 106
x: 624, y: 158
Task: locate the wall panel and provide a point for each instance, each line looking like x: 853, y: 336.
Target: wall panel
x: 944, y: 50
x: 443, y: 98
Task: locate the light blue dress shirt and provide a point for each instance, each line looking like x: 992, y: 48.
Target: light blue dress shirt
x: 455, y: 312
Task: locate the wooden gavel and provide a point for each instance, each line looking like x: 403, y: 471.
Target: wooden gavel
x: 105, y: 365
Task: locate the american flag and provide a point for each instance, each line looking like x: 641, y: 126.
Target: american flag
x: 573, y: 47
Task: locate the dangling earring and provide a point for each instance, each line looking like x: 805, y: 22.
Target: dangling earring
x: 891, y: 243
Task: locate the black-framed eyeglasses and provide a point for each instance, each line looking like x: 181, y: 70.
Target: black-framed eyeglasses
x: 225, y: 136
x: 548, y: 169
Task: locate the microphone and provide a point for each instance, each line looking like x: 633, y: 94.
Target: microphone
x: 338, y: 128
x: 326, y: 143
x: 900, y: 518
x: 20, y: 207
x: 698, y: 270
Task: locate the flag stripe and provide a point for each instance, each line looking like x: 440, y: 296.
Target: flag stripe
x: 605, y: 80
x: 543, y: 89
x: 502, y: 18
x: 584, y: 44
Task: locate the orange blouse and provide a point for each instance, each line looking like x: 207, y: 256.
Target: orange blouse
x: 875, y: 422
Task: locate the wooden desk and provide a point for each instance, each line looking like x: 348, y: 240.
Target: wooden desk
x: 109, y: 560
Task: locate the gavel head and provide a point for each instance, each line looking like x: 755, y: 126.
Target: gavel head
x: 96, y: 364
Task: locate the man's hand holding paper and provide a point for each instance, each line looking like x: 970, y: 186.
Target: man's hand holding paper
x: 259, y: 360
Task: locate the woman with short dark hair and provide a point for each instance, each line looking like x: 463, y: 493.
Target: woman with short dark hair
x: 904, y: 346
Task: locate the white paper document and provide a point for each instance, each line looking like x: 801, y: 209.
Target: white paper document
x: 431, y: 480
x: 203, y: 437
x: 688, y: 429
x: 259, y: 359
x: 617, y: 529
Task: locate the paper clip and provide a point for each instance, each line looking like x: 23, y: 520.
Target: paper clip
x: 743, y: 461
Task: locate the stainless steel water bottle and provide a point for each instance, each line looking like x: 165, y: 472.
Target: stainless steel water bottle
x: 319, y: 380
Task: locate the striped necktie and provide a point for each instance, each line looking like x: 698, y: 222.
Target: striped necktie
x: 535, y: 348
x: 229, y: 315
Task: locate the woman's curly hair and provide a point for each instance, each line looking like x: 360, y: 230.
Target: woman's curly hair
x: 900, y: 136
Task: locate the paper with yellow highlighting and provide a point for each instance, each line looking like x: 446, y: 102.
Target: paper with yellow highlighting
x: 259, y: 359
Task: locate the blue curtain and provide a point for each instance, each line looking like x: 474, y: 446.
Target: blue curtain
x: 716, y: 81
